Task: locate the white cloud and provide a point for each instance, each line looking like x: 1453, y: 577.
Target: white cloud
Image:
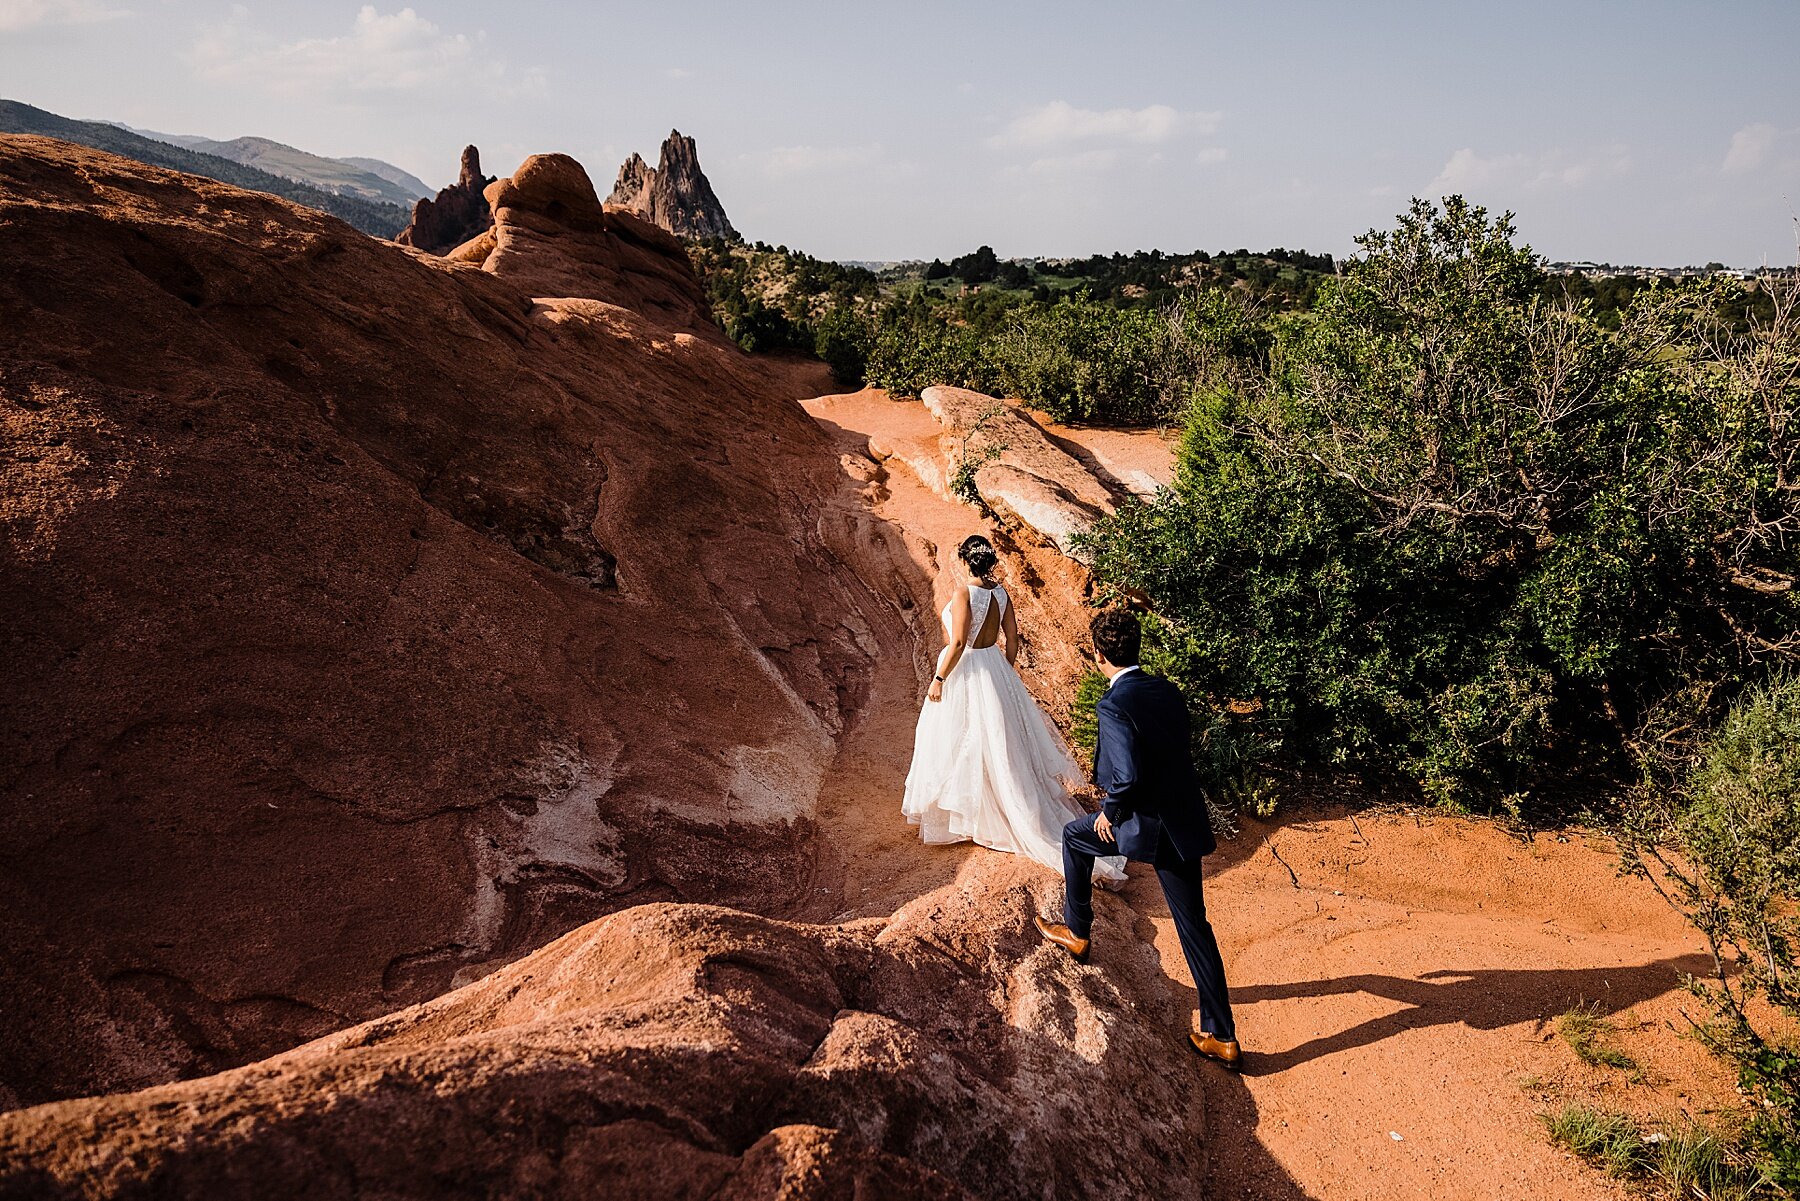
x: 679, y: 73
x: 383, y: 52
x: 1080, y: 163
x: 1750, y: 147
x: 19, y: 15
x: 1473, y: 175
x: 1060, y: 125
x: 812, y: 160
x: 1212, y: 156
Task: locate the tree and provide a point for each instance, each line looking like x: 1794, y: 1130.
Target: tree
x: 1459, y: 531
x: 976, y: 268
x: 843, y: 340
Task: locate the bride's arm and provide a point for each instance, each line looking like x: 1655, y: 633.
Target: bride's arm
x: 959, y: 638
x: 1009, y: 625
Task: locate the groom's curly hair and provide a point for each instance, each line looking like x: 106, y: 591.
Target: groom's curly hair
x: 1117, y: 636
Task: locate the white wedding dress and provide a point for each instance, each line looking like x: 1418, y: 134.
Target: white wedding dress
x: 987, y: 763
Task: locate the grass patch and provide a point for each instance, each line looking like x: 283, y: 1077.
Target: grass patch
x: 1677, y: 1158
x: 1587, y: 1034
x: 1608, y: 1139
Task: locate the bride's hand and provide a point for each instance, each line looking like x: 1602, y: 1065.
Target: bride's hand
x: 936, y: 691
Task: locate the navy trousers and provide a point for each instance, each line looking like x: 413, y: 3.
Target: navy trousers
x: 1187, y: 904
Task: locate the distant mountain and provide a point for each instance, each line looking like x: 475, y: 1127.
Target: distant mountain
x: 376, y: 217
x: 399, y: 176
x: 339, y: 175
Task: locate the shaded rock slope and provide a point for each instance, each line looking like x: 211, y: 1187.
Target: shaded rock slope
x: 675, y: 194
x: 373, y: 618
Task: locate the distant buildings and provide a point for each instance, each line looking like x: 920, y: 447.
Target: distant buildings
x: 1609, y: 271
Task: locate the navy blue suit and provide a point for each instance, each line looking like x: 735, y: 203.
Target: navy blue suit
x: 1143, y: 761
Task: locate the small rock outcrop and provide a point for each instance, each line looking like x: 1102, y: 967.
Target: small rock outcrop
x: 1022, y: 471
x: 551, y: 237
x: 674, y: 195
x: 459, y: 212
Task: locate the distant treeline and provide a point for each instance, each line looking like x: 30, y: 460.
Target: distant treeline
x: 371, y: 216
x: 1097, y: 339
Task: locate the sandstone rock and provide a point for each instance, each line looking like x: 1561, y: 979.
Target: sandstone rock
x: 1032, y: 479
x: 691, y: 1051
x: 675, y: 194
x: 370, y: 622
x: 459, y: 212
x: 552, y: 237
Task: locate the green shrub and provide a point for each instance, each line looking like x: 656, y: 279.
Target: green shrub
x: 1735, y: 819
x: 1083, y: 721
x: 1444, y: 529
x: 1609, y: 1139
x: 842, y: 339
x: 1084, y: 361
x: 1588, y: 1035
x: 917, y: 345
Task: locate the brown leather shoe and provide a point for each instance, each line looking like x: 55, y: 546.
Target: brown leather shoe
x: 1219, y: 1050
x: 1063, y: 937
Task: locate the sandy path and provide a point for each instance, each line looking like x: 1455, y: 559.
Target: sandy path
x: 1132, y: 461
x: 1403, y: 980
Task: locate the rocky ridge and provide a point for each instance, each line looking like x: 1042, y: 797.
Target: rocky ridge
x: 675, y: 194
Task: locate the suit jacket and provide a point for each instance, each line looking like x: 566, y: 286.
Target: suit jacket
x: 1143, y: 761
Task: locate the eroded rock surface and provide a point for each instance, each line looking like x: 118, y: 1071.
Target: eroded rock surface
x: 677, y: 1051
x: 552, y: 238
x: 373, y: 619
x: 377, y: 619
x: 1024, y: 474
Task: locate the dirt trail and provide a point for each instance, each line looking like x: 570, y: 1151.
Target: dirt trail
x: 1393, y: 975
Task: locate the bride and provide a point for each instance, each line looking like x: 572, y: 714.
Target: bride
x: 987, y: 764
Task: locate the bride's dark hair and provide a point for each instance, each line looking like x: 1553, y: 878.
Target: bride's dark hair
x: 977, y: 554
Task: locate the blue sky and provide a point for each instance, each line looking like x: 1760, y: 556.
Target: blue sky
x: 1648, y: 132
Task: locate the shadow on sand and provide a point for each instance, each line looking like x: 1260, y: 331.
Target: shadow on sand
x: 1482, y: 1000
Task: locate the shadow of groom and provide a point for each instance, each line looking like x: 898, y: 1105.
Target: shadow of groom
x: 1484, y: 1000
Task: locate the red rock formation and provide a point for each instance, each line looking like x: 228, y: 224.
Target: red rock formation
x: 373, y: 618
x: 676, y: 195
x: 459, y: 212
x: 552, y: 238
x: 681, y: 1051
x: 1026, y: 475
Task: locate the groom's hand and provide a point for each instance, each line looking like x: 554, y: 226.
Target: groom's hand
x: 1103, y: 828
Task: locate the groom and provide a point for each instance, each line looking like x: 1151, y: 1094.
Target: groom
x: 1154, y: 814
